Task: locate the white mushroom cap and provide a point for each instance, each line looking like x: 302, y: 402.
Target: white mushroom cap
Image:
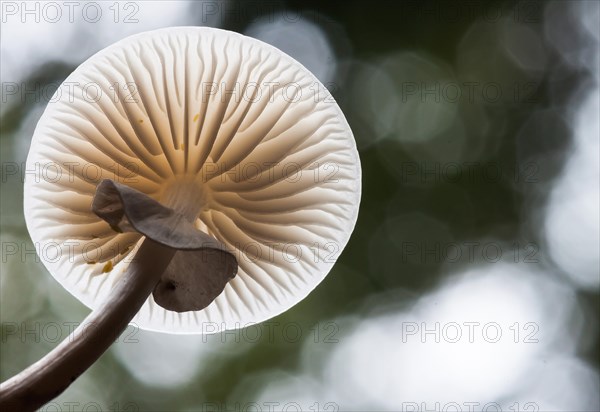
x: 270, y: 170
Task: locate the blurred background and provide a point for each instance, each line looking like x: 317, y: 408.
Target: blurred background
x: 472, y: 279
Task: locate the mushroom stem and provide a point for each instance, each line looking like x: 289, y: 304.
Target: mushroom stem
x: 51, y: 375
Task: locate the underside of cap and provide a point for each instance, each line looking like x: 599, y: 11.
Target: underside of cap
x: 270, y: 150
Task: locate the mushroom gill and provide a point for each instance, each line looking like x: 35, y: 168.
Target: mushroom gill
x: 225, y: 129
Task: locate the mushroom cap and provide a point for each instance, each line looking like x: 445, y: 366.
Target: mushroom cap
x: 222, y: 127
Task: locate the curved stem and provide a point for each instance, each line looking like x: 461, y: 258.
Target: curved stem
x: 51, y: 375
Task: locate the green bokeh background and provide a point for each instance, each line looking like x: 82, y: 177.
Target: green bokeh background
x: 426, y: 40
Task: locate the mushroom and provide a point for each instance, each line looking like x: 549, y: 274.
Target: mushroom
x: 202, y: 178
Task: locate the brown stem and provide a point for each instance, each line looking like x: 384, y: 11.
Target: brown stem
x: 51, y: 375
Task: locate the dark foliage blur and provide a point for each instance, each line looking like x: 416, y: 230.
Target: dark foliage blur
x: 477, y: 128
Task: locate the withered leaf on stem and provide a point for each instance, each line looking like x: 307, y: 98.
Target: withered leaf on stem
x: 201, y: 267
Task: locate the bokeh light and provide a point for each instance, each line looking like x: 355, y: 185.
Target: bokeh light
x: 473, y: 275
x: 298, y: 37
x: 473, y: 340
